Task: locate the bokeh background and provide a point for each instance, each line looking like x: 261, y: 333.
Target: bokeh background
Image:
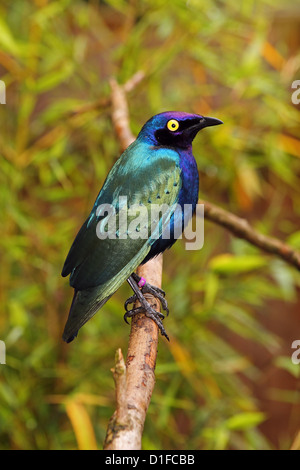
x: 226, y: 380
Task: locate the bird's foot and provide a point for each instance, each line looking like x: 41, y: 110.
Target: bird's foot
x: 150, y: 312
x: 141, y: 287
x: 147, y: 288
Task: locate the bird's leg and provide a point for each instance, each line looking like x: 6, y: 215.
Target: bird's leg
x: 146, y: 308
x: 147, y: 288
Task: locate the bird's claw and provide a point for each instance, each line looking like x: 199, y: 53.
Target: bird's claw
x: 150, y: 312
x: 153, y: 290
x: 130, y: 300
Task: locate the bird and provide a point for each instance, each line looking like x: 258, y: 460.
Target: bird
x: 157, y: 168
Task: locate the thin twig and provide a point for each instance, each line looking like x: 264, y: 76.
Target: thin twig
x: 47, y: 139
x: 103, y: 103
x: 242, y: 229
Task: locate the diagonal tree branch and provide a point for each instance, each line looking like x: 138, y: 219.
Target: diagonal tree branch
x: 242, y: 229
x: 106, y: 102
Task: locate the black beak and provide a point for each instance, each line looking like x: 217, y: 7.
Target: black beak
x: 209, y: 121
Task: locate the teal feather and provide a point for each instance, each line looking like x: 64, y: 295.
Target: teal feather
x: 99, y: 267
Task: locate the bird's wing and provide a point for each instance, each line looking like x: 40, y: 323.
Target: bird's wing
x: 143, y: 176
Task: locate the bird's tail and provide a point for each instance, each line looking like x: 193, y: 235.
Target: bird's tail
x: 84, y: 305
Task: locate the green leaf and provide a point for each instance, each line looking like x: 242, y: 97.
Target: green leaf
x: 51, y: 80
x: 230, y: 264
x: 245, y: 420
x: 286, y: 363
x: 7, y: 39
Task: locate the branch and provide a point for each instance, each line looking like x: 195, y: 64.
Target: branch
x: 242, y: 229
x: 134, y: 381
x: 106, y: 102
x: 47, y: 139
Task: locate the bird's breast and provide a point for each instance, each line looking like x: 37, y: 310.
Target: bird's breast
x: 190, y: 180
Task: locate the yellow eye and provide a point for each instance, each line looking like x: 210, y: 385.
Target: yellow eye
x: 173, y: 125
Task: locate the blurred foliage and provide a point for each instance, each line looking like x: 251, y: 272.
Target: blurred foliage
x: 225, y: 59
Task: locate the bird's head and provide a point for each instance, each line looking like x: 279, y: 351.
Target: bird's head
x: 175, y: 129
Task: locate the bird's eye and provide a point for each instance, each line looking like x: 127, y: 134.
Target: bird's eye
x: 173, y: 125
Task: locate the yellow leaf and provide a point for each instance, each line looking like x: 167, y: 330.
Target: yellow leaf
x: 272, y: 56
x: 290, y: 144
x: 82, y: 425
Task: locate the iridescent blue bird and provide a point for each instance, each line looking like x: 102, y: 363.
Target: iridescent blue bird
x: 157, y: 168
